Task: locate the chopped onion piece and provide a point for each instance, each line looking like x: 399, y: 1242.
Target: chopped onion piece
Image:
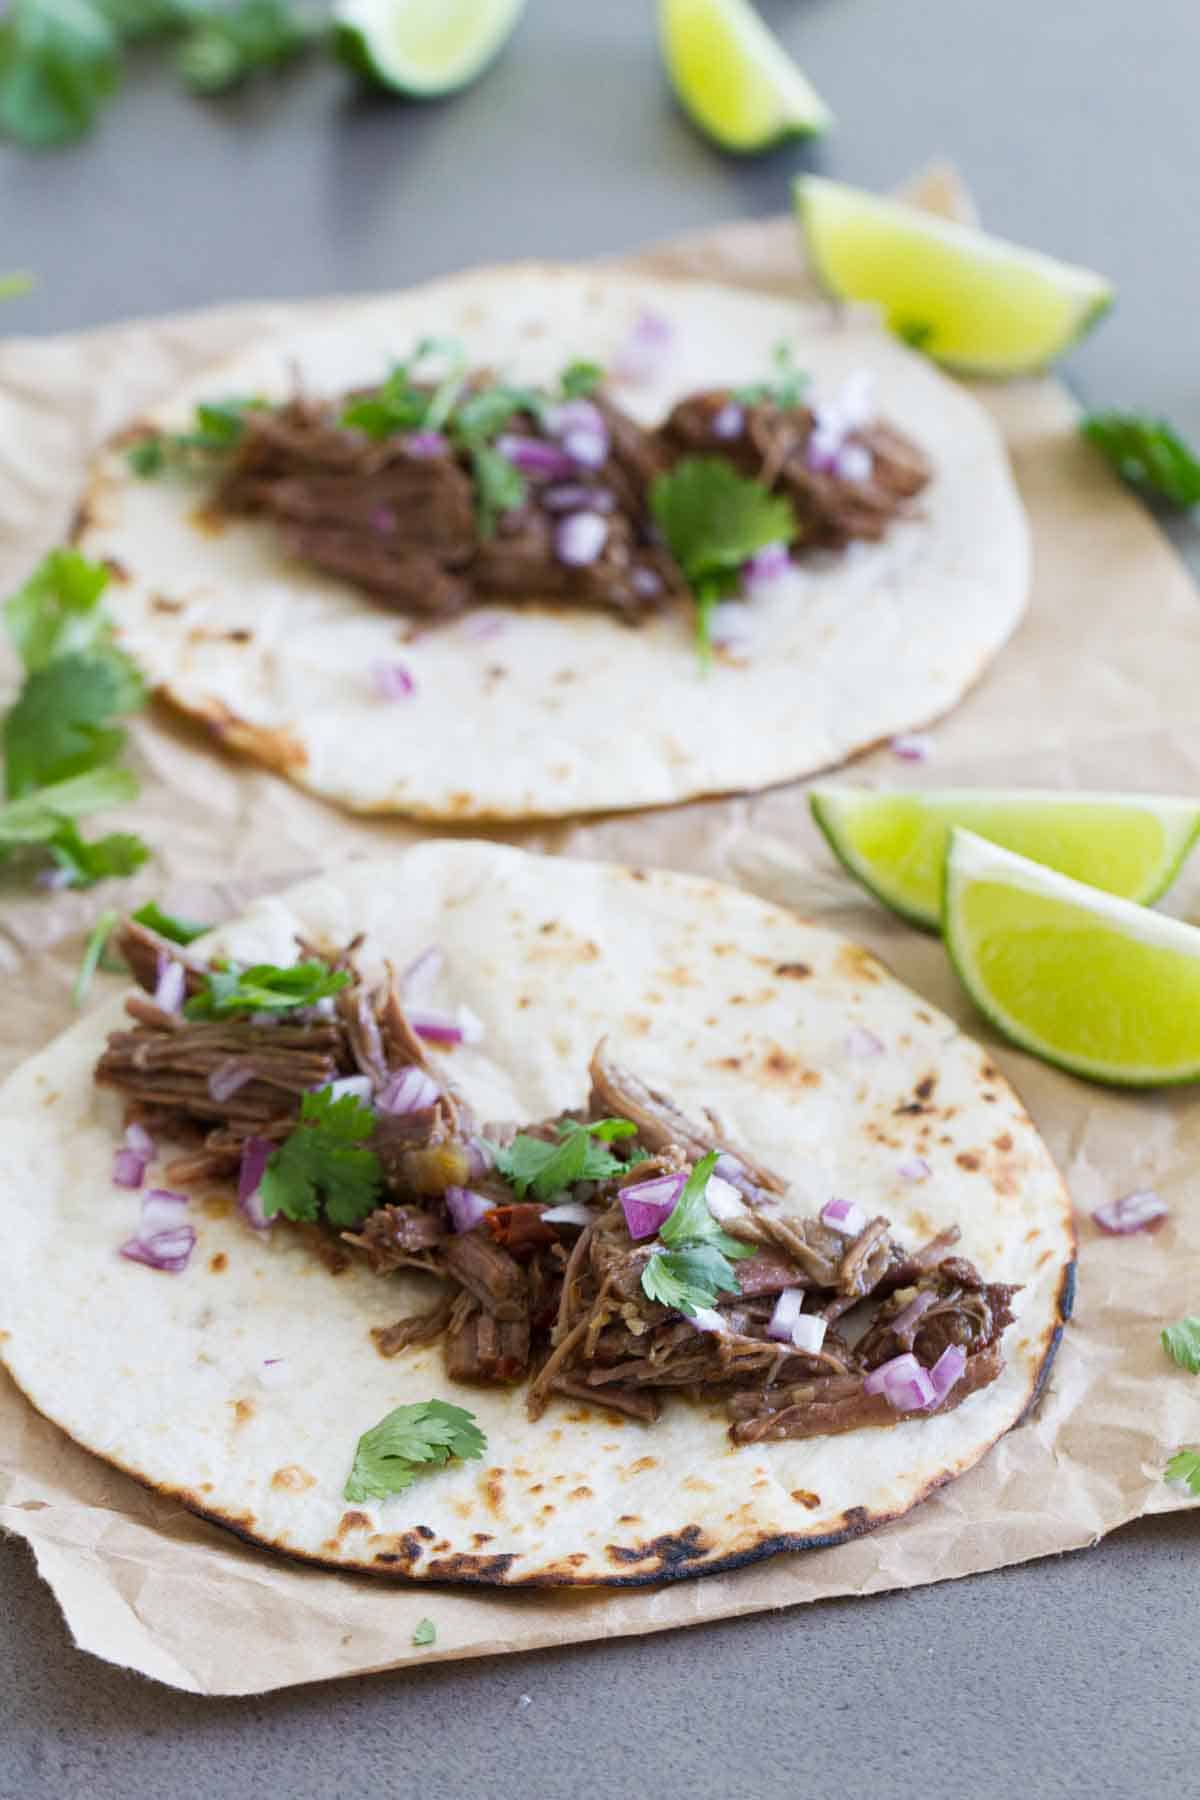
x: 163, y: 1240
x: 706, y: 1318
x: 1140, y: 1211
x: 649, y: 1204
x: 138, y: 1139
x: 947, y: 1370
x: 534, y: 456
x: 392, y: 681
x: 728, y: 1168
x: 844, y: 1216
x: 787, y: 1312
x: 479, y: 1157
x: 466, y: 1207
x: 730, y: 624
x: 646, y: 583
x: 580, y: 539
x: 729, y: 421
x: 361, y: 1086
x: 571, y: 496
x: 766, y: 565
x: 128, y: 1169
x: 171, y: 985
x: 587, y: 449
x: 862, y: 1042
x: 645, y: 351
x: 903, y: 1382
x: 914, y: 1168
x: 225, y: 1080
x: 808, y: 1333
x: 723, y: 1199
x: 275, y: 1372
x: 571, y: 1212
x: 421, y: 974
x: 912, y: 746
x: 918, y: 1305
x: 413, y: 1090
x: 256, y: 1153
x: 574, y: 415
x: 426, y: 443
x: 854, y: 462
x: 162, y: 1210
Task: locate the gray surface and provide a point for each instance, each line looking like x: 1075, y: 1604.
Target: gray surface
x: 1075, y: 125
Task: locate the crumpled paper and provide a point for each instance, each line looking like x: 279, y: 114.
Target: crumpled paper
x: 1096, y: 690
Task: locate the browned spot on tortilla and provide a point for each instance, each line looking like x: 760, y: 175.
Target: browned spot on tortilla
x: 565, y: 675
x: 926, y: 1018
x: 460, y: 802
x: 728, y: 1062
x: 293, y: 1478
x: 549, y: 926
x: 629, y: 1519
x: 580, y: 1416
x: 539, y: 1487
x: 858, y: 963
x: 968, y: 1159
x: 242, y: 1411
x: 464, y: 1508
x: 806, y: 1497
x: 580, y: 1493
x: 524, y: 1002
x: 668, y: 1551
x: 1043, y: 1259
x: 988, y: 1072
x: 207, y: 521
x: 462, y: 1567
x: 206, y: 1487
x: 637, y: 1024
x: 425, y: 1531
x: 793, y: 971
x: 561, y: 771
x: 50, y: 1098
x: 638, y: 875
x: 1005, y: 1182
x: 1004, y: 1141
x: 216, y: 1206
x: 856, y: 1519
x: 696, y: 1485
x: 117, y: 570
x: 352, y: 1521
x: 406, y: 1549
x: 789, y: 1070
x: 491, y: 1486
x: 546, y: 1511
x: 240, y: 634
x: 276, y: 746
x: 444, y: 1545
x: 643, y: 1463
x: 924, y: 1088
x: 161, y: 603
x: 990, y: 1098
x: 681, y: 976
x: 479, y: 1538
x: 1032, y: 1235
x: 218, y: 1262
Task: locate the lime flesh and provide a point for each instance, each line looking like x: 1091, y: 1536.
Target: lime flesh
x: 423, y: 48
x: 1099, y: 986
x: 894, y: 841
x: 974, y: 302
x: 734, y: 77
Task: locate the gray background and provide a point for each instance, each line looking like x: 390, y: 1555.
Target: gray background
x: 1074, y: 121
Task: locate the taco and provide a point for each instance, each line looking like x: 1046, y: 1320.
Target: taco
x: 475, y: 1217
x: 542, y: 541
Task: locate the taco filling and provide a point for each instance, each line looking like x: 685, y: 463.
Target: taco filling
x: 435, y: 497
x: 619, y: 1254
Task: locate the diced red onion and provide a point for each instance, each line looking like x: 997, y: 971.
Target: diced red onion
x: 586, y: 448
x: 766, y: 565
x: 730, y: 624
x: 361, y: 1086
x: 574, y: 415
x: 256, y: 1153
x: 823, y: 448
x: 571, y: 1212
x: 649, y: 1204
x: 225, y: 1080
x: 724, y: 1201
x: 904, y: 1321
x: 392, y: 680
x: 646, y: 583
x: 128, y: 1170
x: 707, y: 1318
x: 571, y: 496
x: 53, y: 879
x: 485, y: 624
x: 844, y: 1216
x: 1140, y: 1211
x: 466, y: 1207
x: 534, y: 456
x: 788, y: 1308
x: 903, y: 1382
x: 422, y: 973
x: 163, y: 1240
x: 383, y: 520
x: 171, y: 985
x: 728, y: 1168
x: 947, y: 1370
x: 912, y: 746
x: 849, y: 410
x: 580, y: 539
x: 808, y: 1333
x: 644, y: 352
x: 461, y: 1027
x: 854, y: 463
x: 914, y: 1168
x: 275, y: 1372
x: 413, y: 1090
x: 479, y: 1157
x: 856, y: 402
x: 862, y: 1042
x: 426, y: 443
x: 162, y: 1210
x: 729, y: 421
x: 138, y: 1139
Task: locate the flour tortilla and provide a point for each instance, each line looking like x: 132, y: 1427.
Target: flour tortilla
x: 709, y: 994
x: 567, y: 710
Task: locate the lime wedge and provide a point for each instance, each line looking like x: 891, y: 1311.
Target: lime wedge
x: 971, y: 301
x: 422, y: 48
x: 734, y: 77
x: 894, y: 841
x: 1097, y: 985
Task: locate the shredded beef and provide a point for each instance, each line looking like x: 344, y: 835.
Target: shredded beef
x: 487, y: 1272
x: 487, y: 1349
x: 817, y: 1411
x: 397, y: 1237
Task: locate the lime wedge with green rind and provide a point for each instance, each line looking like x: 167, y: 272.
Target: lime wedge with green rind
x: 422, y: 48
x: 1099, y: 986
x: 733, y: 76
x: 894, y: 840
x: 974, y: 302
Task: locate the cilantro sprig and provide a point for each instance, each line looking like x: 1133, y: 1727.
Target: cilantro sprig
x: 1184, y: 1466
x: 410, y: 1439
x: 697, y: 1264
x: 785, y: 388
x: 324, y: 1165
x: 714, y: 520
x: 264, y: 987
x: 1148, y: 454
x: 425, y: 1634
x: 217, y: 429
x: 168, y: 925
x: 530, y: 1163
x: 62, y: 737
x: 1182, y: 1343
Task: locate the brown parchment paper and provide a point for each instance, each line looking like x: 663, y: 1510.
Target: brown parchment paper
x: 1098, y: 689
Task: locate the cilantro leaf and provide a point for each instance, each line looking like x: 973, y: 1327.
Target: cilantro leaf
x: 499, y: 487
x: 265, y: 987
x: 168, y: 925
x: 691, y: 1223
x: 59, y: 64
x: 228, y: 44
x: 579, y: 380
x: 88, y: 860
x: 58, y: 609
x: 714, y: 520
x: 688, y: 1279
x: 400, y: 404
x: 1184, y: 1466
x: 1182, y: 1343
x: 390, y: 1455
x: 136, y: 21
x: 93, y: 950
x: 14, y: 285
x: 1147, y: 453
x: 425, y: 1633
x: 63, y: 723
x: 785, y: 389
x: 323, y: 1163
x: 217, y: 430
x: 37, y: 817
x: 529, y: 1162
